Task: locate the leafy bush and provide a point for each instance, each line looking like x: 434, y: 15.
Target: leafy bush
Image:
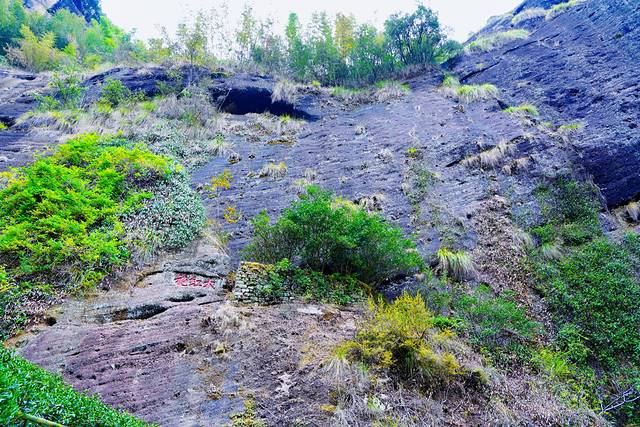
x: 44, y: 41
x: 597, y: 290
x: 400, y: 337
x: 496, y: 324
x: 26, y: 389
x: 62, y: 219
x: 37, y: 53
x: 67, y: 91
x: 114, y: 93
x: 327, y: 235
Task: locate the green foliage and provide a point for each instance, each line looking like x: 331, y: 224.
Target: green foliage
x: 68, y: 90
x: 45, y: 42
x: 115, y: 93
x: 311, y: 285
x: 62, y: 219
x: 594, y: 292
x: 496, y: 325
x: 331, y: 236
x: 28, y: 389
x: 524, y: 109
x: 400, y: 337
x: 468, y: 93
x: 37, y: 53
x: 596, y: 289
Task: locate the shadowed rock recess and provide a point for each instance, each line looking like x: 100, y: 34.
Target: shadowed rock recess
x: 199, y: 335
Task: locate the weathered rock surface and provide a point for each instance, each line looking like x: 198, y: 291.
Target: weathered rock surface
x: 236, y: 94
x: 582, y: 65
x: 170, y: 350
x: 363, y: 153
x: 79, y: 7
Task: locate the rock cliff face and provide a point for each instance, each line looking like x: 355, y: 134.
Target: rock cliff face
x: 89, y: 9
x: 579, y: 65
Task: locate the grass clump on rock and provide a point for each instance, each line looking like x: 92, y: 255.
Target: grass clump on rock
x: 468, y: 93
x: 327, y: 235
x: 28, y: 392
x: 523, y: 110
x: 494, y: 41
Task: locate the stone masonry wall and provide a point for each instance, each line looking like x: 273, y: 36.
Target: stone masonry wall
x: 253, y: 283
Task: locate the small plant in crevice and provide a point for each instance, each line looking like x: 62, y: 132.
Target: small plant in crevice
x: 67, y: 91
x: 523, y: 110
x: 114, y: 93
x: 273, y: 170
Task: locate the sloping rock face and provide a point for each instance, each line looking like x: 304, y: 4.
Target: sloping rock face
x: 170, y: 350
x: 407, y: 156
x: 578, y: 66
x: 85, y: 8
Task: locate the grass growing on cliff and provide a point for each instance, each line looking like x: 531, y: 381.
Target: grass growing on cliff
x: 66, y: 220
x: 523, y: 110
x: 528, y: 14
x: 494, y: 41
x: 468, y: 93
x: 322, y: 233
x: 27, y: 390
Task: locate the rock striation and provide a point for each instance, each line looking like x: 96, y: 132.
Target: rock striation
x: 579, y: 66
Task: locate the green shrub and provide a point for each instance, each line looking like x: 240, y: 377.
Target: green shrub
x: 37, y: 53
x: 311, y: 285
x: 26, y: 389
x: 596, y: 289
x: 62, y: 219
x: 400, y: 337
x: 496, y: 324
x: 332, y: 236
x: 115, y: 93
x: 67, y: 91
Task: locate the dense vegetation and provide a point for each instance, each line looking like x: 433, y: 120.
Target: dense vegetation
x: 592, y: 285
x: 331, y: 235
x: 329, y: 50
x: 62, y: 223
x: 402, y: 338
x: 28, y: 391
x: 45, y: 42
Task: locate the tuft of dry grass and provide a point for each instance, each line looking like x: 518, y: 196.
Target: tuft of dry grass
x: 633, y: 210
x: 451, y: 87
x: 285, y: 90
x: 457, y: 265
x: 273, y: 170
x: 550, y: 251
x: 494, y: 41
x: 529, y: 14
x: 559, y: 8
